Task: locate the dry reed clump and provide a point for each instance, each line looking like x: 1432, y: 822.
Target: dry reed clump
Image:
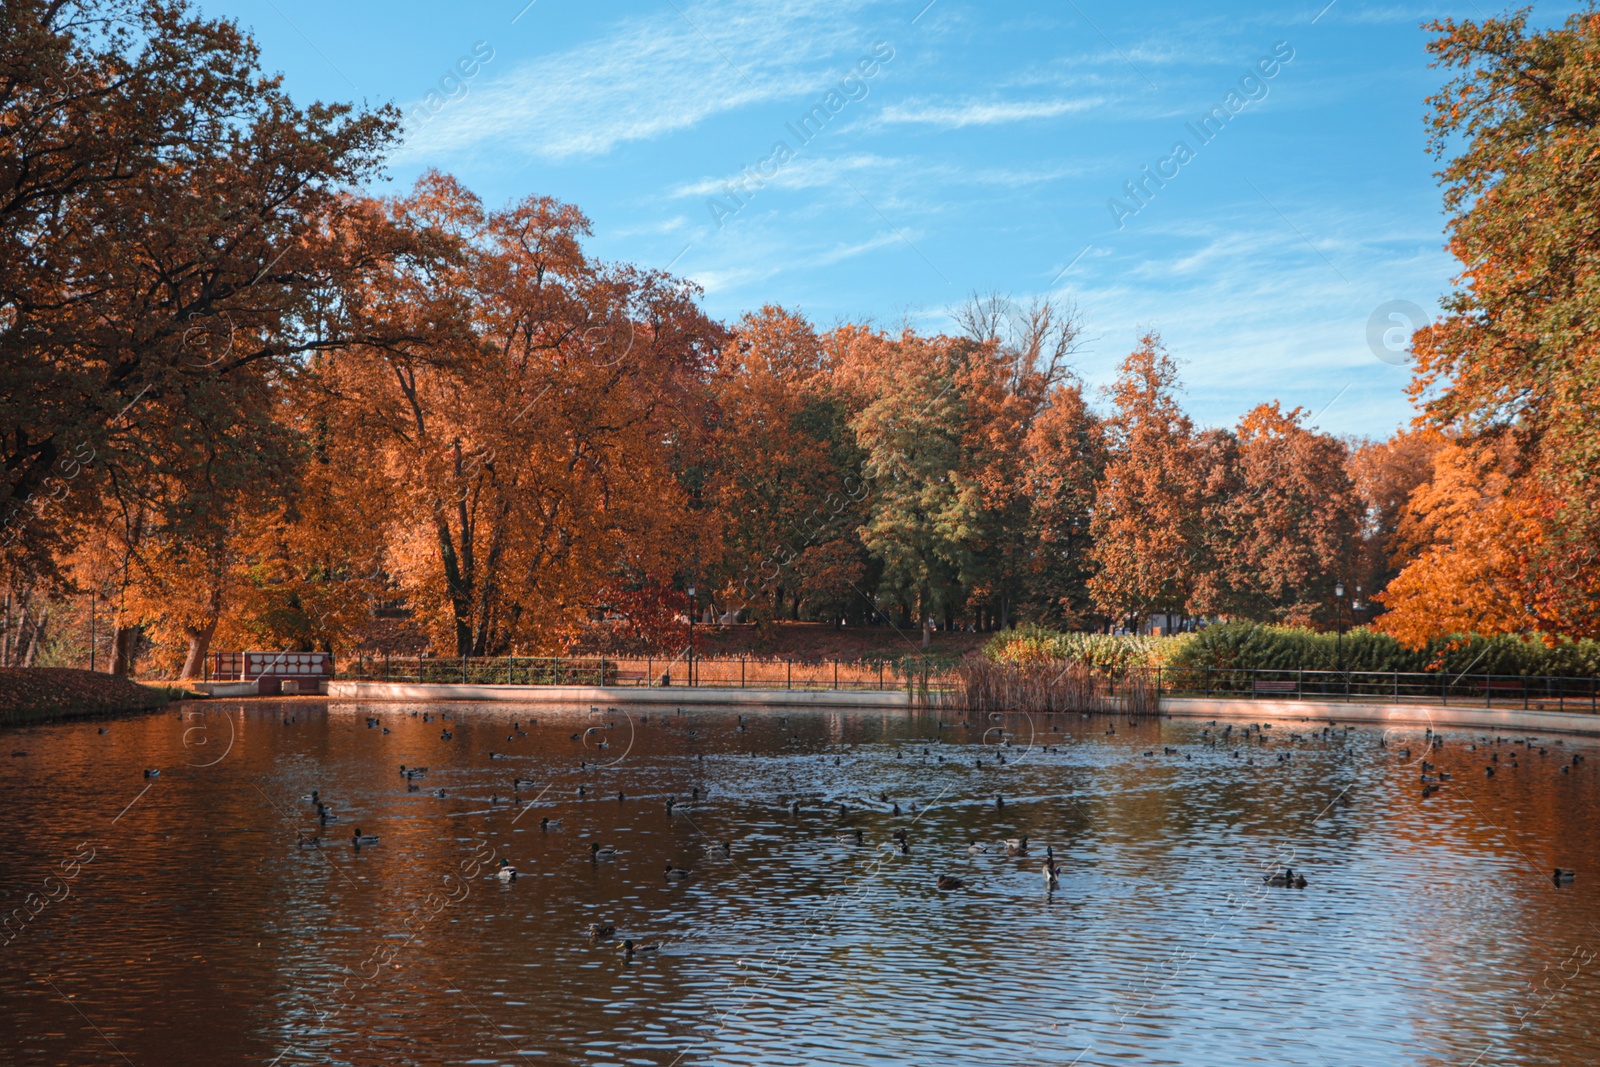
x: 981, y: 685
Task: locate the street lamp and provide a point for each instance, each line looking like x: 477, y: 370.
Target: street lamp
x: 1338, y: 598
x: 691, y: 634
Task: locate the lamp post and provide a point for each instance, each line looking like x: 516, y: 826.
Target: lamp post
x: 691, y: 634
x: 1338, y: 600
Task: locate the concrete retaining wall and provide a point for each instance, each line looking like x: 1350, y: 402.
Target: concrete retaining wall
x: 635, y: 695
x: 1511, y: 720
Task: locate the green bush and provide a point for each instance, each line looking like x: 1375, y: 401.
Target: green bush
x: 1248, y: 645
x: 1257, y: 646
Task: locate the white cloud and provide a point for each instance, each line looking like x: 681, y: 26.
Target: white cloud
x: 649, y: 77
x: 983, y: 112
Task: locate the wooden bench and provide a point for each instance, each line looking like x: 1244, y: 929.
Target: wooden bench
x: 1502, y: 685
x: 1288, y: 688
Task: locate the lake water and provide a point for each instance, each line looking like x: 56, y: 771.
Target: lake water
x: 177, y: 922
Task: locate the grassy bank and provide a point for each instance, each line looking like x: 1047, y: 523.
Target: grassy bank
x: 819, y: 641
x: 49, y: 694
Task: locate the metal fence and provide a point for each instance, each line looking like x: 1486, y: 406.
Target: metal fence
x: 740, y: 672
x: 1389, y: 687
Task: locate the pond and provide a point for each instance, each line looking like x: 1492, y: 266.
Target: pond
x: 182, y: 919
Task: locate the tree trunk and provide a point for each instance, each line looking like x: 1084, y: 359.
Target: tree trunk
x: 32, y: 637
x: 124, y: 641
x: 199, y: 645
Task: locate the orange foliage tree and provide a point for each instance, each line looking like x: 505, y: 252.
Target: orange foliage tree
x: 1512, y: 372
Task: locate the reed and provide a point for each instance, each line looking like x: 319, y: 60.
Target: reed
x: 978, y: 685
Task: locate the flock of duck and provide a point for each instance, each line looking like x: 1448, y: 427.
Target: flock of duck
x: 1245, y: 739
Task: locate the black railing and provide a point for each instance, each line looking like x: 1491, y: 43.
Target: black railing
x: 1389, y: 687
x: 722, y: 672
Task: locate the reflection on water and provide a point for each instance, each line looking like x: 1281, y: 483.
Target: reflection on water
x: 176, y: 920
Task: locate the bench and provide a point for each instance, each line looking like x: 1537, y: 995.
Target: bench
x: 1289, y: 688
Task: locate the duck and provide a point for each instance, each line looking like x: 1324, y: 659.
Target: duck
x: 1286, y: 877
x: 152, y: 773
x: 1017, y: 846
x: 307, y: 842
x: 1562, y: 877
x: 598, y: 932
x: 358, y: 838
x: 1299, y: 881
x: 975, y: 848
x: 947, y: 881
x: 506, y: 873
x: 676, y: 874
x: 548, y: 823
x: 1052, y: 874
x: 598, y: 851
x: 629, y: 949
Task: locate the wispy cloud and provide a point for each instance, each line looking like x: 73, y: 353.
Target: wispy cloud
x: 650, y: 76
x: 982, y: 112
x: 826, y: 172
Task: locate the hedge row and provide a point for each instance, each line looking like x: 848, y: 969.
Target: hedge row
x: 1253, y: 646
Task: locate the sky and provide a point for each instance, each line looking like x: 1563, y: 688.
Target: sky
x: 1283, y: 249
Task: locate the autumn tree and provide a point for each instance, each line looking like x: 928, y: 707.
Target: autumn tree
x: 527, y: 407
x: 1462, y: 542
x: 787, y: 486
x: 162, y: 207
x: 1149, y: 529
x: 1066, y: 459
x: 1007, y: 382
x: 1287, y: 529
x: 1514, y: 364
x: 1385, y: 474
x: 922, y: 500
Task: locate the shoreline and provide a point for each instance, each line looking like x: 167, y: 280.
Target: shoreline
x: 1410, y: 715
x: 35, y: 696
x: 1455, y: 716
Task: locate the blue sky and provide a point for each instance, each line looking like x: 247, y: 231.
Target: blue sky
x: 967, y: 146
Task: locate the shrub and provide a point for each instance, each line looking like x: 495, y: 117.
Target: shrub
x: 1257, y: 646
x: 1248, y: 645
